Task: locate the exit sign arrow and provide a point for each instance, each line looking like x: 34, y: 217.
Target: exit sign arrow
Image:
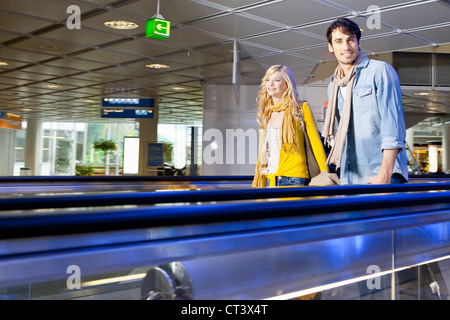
x: 157, y: 28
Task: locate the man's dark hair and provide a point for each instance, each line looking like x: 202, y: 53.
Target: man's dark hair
x: 347, y: 26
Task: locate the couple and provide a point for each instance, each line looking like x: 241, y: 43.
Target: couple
x: 364, y: 124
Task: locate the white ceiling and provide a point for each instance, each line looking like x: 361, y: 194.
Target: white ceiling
x: 96, y: 61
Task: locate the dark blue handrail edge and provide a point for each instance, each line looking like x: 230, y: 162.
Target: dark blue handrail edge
x: 63, y: 223
x: 38, y: 179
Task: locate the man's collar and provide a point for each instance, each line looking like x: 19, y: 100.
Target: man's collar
x: 363, y: 64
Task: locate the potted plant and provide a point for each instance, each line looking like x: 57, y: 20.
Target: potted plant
x: 105, y: 146
x: 83, y: 169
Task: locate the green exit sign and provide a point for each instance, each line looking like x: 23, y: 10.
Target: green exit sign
x: 157, y: 28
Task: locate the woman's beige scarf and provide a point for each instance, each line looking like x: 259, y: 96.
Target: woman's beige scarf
x: 329, y: 125
x: 288, y: 132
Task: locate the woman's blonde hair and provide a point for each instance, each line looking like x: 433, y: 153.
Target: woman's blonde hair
x: 290, y: 97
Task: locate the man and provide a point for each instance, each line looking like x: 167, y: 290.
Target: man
x: 365, y: 104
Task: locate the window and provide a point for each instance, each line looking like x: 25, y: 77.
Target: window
x: 442, y: 69
x: 413, y: 68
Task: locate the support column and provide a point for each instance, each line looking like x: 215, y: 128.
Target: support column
x: 33, y: 146
x: 433, y: 157
x: 446, y: 148
x: 148, y: 132
x: 7, y: 141
x: 193, y: 168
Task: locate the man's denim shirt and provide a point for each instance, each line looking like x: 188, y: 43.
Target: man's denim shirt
x: 377, y: 123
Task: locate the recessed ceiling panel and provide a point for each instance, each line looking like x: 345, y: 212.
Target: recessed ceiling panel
x: 437, y: 35
x: 391, y: 43
x: 107, y: 56
x: 296, y: 13
x: 76, y: 64
x: 194, y: 58
x: 143, y: 48
x: 286, y: 40
x: 50, y: 70
x: 363, y: 5
x: 47, y: 46
x: 32, y: 76
x: 5, y: 36
x: 249, y: 50
x: 286, y: 59
x: 24, y: 56
x: 84, y: 37
x: 20, y: 24
x: 233, y: 26
x: 190, y: 38
x: 319, y: 53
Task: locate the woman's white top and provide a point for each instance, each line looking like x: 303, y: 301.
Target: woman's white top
x: 273, y: 139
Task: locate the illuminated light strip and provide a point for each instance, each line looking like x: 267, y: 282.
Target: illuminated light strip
x: 100, y: 282
x: 300, y: 293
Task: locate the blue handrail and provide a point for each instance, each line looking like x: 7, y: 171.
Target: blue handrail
x: 147, y: 198
x: 70, y: 222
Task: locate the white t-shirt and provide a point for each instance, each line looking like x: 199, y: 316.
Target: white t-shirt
x: 343, y: 91
x: 273, y: 148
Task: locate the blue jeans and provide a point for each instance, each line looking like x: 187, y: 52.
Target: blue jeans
x: 291, y: 181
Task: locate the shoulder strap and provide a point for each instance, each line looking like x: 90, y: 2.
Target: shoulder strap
x: 300, y: 115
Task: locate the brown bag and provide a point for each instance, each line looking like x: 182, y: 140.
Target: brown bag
x: 313, y: 166
x: 325, y: 179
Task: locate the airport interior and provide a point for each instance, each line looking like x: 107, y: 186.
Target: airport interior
x: 129, y: 139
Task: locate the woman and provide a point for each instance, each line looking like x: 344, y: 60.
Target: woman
x: 282, y: 157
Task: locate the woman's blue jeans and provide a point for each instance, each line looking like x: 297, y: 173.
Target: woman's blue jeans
x: 283, y: 181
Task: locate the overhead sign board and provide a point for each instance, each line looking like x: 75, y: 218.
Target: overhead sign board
x: 157, y: 29
x: 128, y: 102
x: 128, y: 113
x: 128, y: 108
x: 10, y: 120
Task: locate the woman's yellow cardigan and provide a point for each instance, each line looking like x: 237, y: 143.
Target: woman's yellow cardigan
x: 292, y: 164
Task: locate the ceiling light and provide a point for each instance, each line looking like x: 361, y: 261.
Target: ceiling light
x: 3, y: 63
x: 52, y: 86
x: 422, y: 94
x: 157, y: 66
x: 178, y: 88
x: 47, y: 47
x: 120, y: 24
